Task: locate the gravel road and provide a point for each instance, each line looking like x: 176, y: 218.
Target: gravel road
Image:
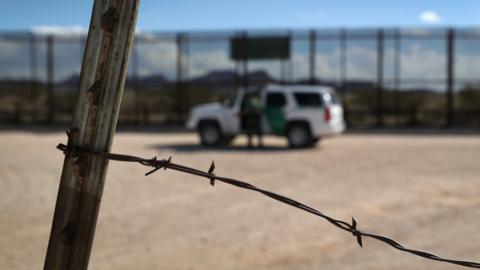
x: 421, y: 189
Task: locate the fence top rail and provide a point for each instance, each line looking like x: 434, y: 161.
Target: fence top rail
x: 202, y: 36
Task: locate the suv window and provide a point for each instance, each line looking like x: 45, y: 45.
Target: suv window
x: 276, y: 100
x: 230, y: 100
x: 308, y: 99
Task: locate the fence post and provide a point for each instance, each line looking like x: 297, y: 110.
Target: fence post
x: 138, y: 108
x: 33, y: 75
x: 179, y: 84
x: 343, y: 73
x: 380, y: 39
x: 50, y: 80
x: 450, y: 76
x: 94, y: 121
x: 186, y: 83
x: 397, y: 74
x: 244, y: 60
x: 290, y: 66
x: 313, y: 39
x: 343, y: 57
x: 237, y: 74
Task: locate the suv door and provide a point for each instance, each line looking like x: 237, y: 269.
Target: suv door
x: 232, y: 114
x: 274, y: 112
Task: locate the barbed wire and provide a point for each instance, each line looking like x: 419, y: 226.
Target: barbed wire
x: 157, y: 164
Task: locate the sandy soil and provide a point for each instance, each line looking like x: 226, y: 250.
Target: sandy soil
x: 423, y: 190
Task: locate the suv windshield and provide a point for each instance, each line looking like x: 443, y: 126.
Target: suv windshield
x: 230, y: 100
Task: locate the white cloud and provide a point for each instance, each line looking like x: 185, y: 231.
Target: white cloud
x: 417, y: 61
x: 430, y: 17
x: 59, y: 30
x: 310, y: 16
x: 157, y: 58
x: 202, y: 63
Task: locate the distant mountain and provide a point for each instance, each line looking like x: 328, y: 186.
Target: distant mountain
x: 12, y: 86
x: 70, y: 82
x: 215, y: 77
x: 151, y: 81
x: 223, y: 77
x: 259, y: 77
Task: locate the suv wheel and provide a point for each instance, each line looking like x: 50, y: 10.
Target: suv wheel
x: 298, y: 135
x: 210, y: 134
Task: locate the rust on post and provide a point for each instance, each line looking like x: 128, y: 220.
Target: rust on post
x: 93, y: 93
x: 96, y: 108
x: 109, y: 18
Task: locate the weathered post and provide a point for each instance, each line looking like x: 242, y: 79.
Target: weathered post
x: 33, y: 75
x: 244, y: 60
x: 138, y: 108
x: 450, y: 75
x: 312, y: 56
x: 94, y: 121
x: 380, y: 44
x: 50, y: 80
x: 179, y: 84
x: 397, y: 73
x: 343, y: 73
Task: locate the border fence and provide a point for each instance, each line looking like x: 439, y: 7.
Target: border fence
x: 385, y: 77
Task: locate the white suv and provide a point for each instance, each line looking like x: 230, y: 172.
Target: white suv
x: 302, y: 113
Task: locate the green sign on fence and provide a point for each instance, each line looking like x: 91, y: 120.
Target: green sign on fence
x: 242, y: 48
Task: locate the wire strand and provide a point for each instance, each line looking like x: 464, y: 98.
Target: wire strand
x: 343, y: 225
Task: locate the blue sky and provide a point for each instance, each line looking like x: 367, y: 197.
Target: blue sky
x: 174, y: 15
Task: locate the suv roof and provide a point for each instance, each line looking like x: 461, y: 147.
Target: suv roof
x: 298, y: 88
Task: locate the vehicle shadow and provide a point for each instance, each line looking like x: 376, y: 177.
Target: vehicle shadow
x: 419, y: 131
x: 121, y: 128
x: 195, y: 147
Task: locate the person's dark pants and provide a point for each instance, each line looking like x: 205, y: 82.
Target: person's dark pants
x: 253, y: 127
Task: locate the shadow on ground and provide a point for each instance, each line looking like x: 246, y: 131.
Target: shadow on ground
x: 420, y: 131
x: 152, y: 129
x: 121, y: 128
x: 195, y: 147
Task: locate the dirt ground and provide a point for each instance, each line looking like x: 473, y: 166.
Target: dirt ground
x: 421, y: 189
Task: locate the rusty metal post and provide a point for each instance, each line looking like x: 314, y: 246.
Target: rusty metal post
x: 94, y: 121
x: 380, y: 41
x: 312, y: 56
x: 450, y: 76
x: 50, y: 80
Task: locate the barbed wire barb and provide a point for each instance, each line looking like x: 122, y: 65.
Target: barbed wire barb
x: 343, y: 225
